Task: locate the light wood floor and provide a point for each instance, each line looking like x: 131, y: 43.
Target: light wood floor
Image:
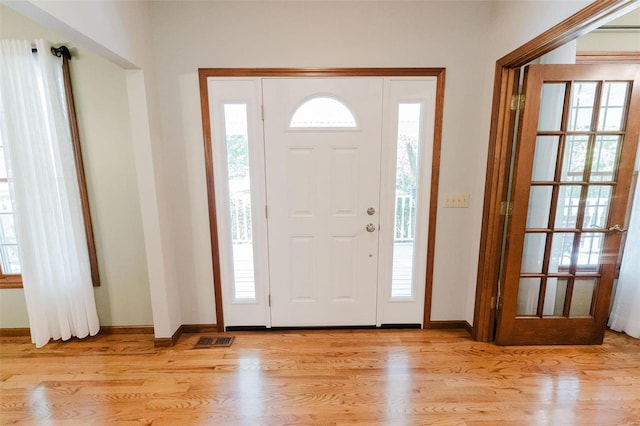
x: 368, y: 377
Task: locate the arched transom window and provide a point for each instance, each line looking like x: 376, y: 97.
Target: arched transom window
x: 322, y: 112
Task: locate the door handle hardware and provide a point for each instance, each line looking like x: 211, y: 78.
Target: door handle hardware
x: 370, y: 227
x: 371, y: 211
x: 617, y: 228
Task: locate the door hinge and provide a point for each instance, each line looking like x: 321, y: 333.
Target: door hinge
x: 266, y: 212
x: 262, y: 112
x: 269, y: 300
x: 517, y: 102
x: 506, y: 208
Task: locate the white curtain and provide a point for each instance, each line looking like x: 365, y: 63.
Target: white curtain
x: 625, y: 314
x: 42, y: 175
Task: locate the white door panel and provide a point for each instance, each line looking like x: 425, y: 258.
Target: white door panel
x: 320, y: 182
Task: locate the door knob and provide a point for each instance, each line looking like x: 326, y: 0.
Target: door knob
x: 617, y: 228
x: 371, y: 211
x: 370, y: 227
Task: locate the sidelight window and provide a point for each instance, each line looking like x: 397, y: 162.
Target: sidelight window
x: 405, y: 200
x: 239, y: 184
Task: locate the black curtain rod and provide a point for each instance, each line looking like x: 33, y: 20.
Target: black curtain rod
x: 60, y: 52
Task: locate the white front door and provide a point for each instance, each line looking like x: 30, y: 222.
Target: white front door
x: 322, y: 152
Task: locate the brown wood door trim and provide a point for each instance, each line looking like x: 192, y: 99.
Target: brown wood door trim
x: 320, y: 72
x: 204, y: 73
x: 589, y: 57
x: 497, y: 175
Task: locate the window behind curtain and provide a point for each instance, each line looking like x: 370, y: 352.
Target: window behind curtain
x: 10, y: 267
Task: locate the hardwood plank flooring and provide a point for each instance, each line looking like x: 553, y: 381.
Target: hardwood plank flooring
x: 366, y: 377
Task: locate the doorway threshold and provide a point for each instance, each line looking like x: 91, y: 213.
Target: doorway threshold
x: 330, y: 327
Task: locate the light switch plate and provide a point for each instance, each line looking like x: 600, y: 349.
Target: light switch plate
x: 456, y: 201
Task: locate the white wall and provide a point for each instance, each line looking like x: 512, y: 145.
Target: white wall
x: 464, y: 37
x: 613, y: 40
x: 105, y: 131
x: 512, y: 24
x: 322, y: 34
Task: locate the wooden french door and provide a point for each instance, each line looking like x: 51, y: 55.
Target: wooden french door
x: 578, y: 137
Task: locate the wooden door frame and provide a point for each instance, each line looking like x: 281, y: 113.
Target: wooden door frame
x: 499, y: 153
x: 591, y: 57
x: 205, y: 73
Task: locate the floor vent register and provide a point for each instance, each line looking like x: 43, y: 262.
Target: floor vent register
x: 214, y: 342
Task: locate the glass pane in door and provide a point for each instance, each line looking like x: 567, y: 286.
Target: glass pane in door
x: 590, y: 250
x: 544, y: 160
x: 582, y: 297
x: 237, y: 141
x: 528, y: 297
x: 575, y: 157
x: 612, y: 108
x: 597, y: 206
x: 567, y: 207
x: 533, y: 252
x: 605, y: 155
x: 583, y: 95
x: 540, y: 202
x: 408, y: 143
x: 554, y: 297
x: 551, y: 101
